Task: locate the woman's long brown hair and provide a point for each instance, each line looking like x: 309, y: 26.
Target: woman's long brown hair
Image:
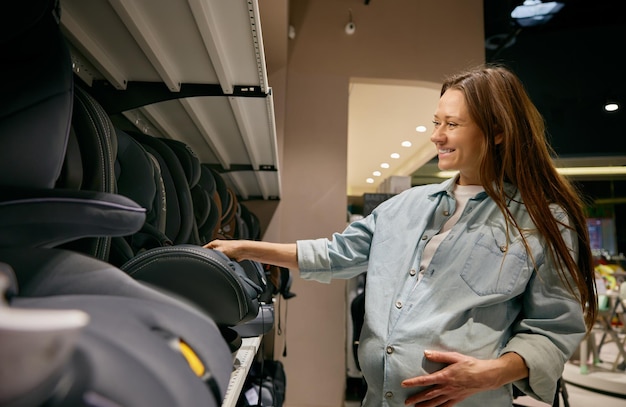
x: 499, y: 104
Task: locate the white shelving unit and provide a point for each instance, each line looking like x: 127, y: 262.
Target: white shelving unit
x: 242, y: 362
x: 205, y: 74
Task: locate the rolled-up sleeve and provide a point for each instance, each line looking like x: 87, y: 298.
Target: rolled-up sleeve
x: 313, y: 260
x: 550, y: 330
x: 345, y: 256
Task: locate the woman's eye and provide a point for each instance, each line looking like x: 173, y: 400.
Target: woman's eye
x: 436, y: 123
x: 452, y: 125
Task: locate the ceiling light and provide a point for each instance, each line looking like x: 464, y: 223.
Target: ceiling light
x: 377, y: 173
x: 534, y: 12
x: 616, y: 170
x: 420, y: 129
x: 406, y: 144
x: 350, y: 27
x: 395, y: 155
x: 384, y: 165
x: 611, y: 107
x: 370, y: 180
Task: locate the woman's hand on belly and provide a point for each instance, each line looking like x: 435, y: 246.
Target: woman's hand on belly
x: 463, y: 377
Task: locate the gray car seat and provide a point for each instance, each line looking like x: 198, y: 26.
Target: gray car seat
x: 163, y: 354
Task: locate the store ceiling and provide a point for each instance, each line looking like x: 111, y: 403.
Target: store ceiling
x: 570, y: 66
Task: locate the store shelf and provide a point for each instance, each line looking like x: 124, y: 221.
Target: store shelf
x: 242, y: 362
x: 597, y: 368
x: 202, y: 80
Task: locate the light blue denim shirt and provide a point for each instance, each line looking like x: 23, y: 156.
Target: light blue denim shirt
x: 478, y: 296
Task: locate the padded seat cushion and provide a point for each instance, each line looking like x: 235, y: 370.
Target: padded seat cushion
x: 38, y: 83
x: 130, y: 340
x: 49, y: 272
x: 179, y: 223
x: 46, y: 218
x: 207, y: 278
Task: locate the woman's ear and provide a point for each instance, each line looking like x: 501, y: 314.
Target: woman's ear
x: 499, y: 138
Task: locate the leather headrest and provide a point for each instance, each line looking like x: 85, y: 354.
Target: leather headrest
x: 188, y: 160
x: 36, y: 99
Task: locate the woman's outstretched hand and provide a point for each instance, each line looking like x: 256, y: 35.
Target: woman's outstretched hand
x: 278, y: 254
x: 463, y: 377
x: 231, y: 248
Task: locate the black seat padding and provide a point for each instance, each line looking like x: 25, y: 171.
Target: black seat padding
x: 252, y: 222
x: 208, y: 279
x: 50, y: 217
x: 190, y: 163
x: 202, y: 208
x: 97, y: 148
x: 36, y: 66
x: 97, y: 142
x: 138, y: 177
x: 178, y: 196
x: 208, y: 230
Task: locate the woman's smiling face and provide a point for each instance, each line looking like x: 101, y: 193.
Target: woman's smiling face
x: 458, y: 139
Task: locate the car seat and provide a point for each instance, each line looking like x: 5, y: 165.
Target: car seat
x: 206, y: 206
x: 190, y: 164
x: 180, y: 217
x: 210, y: 228
x: 202, y: 277
x: 35, y: 218
x: 61, y: 350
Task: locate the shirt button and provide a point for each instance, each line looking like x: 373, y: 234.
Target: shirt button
x: 389, y: 350
x: 389, y: 394
x: 446, y: 213
x: 398, y: 304
x: 424, y: 237
x: 412, y: 272
x: 503, y: 248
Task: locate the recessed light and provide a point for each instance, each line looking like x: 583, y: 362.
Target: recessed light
x: 615, y: 170
x: 384, y: 165
x: 420, y: 129
x: 377, y: 173
x: 611, y: 107
x: 395, y: 155
x: 370, y: 180
x: 406, y: 144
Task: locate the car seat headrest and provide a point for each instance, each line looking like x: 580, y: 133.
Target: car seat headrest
x: 36, y: 103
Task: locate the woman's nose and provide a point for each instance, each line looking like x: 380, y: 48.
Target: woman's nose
x: 436, y: 136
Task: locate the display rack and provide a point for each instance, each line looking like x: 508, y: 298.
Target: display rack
x: 242, y: 362
x: 202, y: 80
x: 602, y: 353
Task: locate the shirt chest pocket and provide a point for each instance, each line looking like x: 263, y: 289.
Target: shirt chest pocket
x: 495, y: 268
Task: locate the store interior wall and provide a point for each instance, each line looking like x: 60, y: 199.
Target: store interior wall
x: 399, y: 39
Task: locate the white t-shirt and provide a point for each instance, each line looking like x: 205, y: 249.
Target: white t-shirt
x: 462, y: 194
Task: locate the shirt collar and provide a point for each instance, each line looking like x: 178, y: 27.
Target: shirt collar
x: 447, y: 187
